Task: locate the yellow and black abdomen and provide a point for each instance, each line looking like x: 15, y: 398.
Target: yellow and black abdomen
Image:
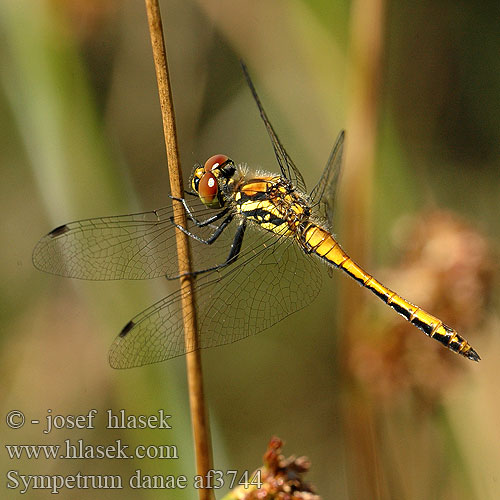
x: 320, y: 242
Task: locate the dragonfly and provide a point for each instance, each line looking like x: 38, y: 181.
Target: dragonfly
x: 259, y: 243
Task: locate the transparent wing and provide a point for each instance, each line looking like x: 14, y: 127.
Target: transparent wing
x: 136, y: 246
x: 287, y: 167
x: 271, y: 279
x: 323, y: 195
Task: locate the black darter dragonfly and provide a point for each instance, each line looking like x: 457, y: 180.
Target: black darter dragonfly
x: 258, y: 244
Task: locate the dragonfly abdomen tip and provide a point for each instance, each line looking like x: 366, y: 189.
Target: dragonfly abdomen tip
x: 472, y: 354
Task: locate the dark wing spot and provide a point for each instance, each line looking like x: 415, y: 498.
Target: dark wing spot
x: 126, y: 329
x: 58, y: 231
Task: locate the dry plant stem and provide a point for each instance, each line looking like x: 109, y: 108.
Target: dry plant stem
x: 366, y: 38
x: 194, y: 372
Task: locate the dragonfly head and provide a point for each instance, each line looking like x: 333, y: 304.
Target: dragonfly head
x: 210, y: 179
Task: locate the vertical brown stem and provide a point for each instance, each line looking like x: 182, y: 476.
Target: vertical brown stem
x: 194, y: 372
x: 367, y: 35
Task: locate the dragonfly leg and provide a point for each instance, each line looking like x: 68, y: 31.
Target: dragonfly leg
x: 194, y: 219
x: 213, y: 236
x: 234, y: 252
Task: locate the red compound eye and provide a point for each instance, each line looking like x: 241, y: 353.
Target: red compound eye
x: 208, y: 188
x: 215, y: 161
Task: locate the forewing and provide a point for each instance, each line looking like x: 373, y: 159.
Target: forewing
x: 136, y: 246
x: 271, y: 279
x: 323, y: 195
x: 287, y: 167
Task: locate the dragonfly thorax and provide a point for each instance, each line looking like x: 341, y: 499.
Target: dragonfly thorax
x: 272, y: 202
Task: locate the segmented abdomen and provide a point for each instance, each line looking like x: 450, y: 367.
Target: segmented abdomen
x: 317, y: 240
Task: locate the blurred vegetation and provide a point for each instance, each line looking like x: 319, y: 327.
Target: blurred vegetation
x: 80, y: 136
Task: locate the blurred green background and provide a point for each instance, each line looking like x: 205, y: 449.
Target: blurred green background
x: 81, y: 137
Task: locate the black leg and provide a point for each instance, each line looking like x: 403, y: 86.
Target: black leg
x: 234, y: 252
x: 236, y: 244
x: 194, y: 219
x: 212, y: 237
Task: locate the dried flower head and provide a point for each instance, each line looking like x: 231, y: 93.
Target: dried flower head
x: 280, y: 478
